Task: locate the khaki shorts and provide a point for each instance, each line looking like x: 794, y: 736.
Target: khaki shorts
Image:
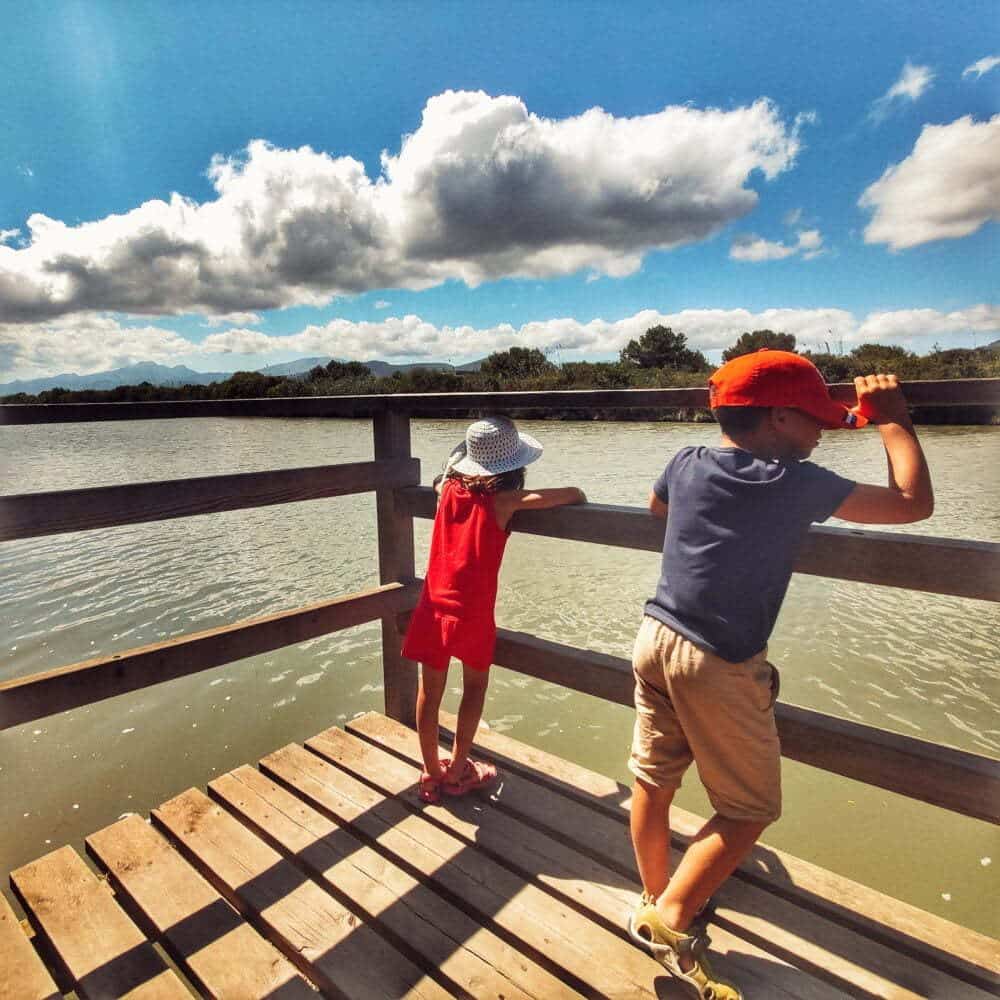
x: 693, y: 705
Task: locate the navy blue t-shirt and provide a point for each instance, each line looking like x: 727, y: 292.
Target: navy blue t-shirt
x: 734, y: 527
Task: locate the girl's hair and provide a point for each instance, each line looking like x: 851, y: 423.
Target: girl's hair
x: 513, y: 480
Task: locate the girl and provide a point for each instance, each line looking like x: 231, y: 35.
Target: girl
x: 480, y: 492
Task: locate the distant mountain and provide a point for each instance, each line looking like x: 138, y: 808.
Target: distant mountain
x: 144, y: 371
x: 298, y: 367
x: 148, y: 371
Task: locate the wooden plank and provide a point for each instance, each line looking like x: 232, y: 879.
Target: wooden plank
x: 23, y: 975
x: 29, y: 515
x: 535, y: 923
x: 930, y: 392
x: 846, y: 958
x: 469, y: 959
x: 104, y: 953
x: 395, y: 564
x: 971, y: 956
x: 23, y: 699
x: 927, y: 563
x: 953, y: 779
x: 222, y: 955
x: 321, y: 937
x: 628, y: 969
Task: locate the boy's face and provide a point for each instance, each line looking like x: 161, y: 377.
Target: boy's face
x: 797, y: 432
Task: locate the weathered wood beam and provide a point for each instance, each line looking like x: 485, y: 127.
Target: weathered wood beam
x: 917, y: 562
x: 26, y: 698
x: 943, y: 392
x: 391, y: 433
x: 31, y: 514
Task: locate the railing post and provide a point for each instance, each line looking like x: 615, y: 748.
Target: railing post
x: 395, y: 563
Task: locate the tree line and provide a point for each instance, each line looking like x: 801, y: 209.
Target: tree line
x: 660, y: 358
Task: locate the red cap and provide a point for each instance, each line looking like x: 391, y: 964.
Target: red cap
x: 780, y: 378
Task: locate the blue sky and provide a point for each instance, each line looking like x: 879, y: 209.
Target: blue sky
x: 231, y: 185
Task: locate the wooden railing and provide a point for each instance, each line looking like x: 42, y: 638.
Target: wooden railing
x: 964, y: 782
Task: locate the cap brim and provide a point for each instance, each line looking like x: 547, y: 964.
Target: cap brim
x: 837, y: 417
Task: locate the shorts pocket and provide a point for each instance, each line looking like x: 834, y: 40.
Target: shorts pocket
x: 775, y: 684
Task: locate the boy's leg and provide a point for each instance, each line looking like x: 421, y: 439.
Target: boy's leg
x: 429, y: 693
x: 650, y: 826
x: 712, y: 856
x: 470, y: 711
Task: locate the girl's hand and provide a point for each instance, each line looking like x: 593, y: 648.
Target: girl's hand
x: 881, y: 400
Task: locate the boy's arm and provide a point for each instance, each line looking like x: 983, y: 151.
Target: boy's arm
x: 656, y: 506
x: 909, y: 496
x: 509, y: 502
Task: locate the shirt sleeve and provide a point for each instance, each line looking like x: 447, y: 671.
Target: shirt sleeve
x: 661, y: 487
x: 824, y: 491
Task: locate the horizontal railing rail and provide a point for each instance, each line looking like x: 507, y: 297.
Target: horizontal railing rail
x: 963, y: 782
x: 945, y: 392
x: 32, y: 514
x: 25, y: 699
x: 916, y: 562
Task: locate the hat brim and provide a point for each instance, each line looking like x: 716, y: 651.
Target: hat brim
x: 528, y: 451
x: 834, y: 416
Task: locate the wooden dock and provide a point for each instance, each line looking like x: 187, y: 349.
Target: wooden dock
x: 320, y: 870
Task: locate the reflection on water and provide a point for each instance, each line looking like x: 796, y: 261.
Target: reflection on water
x: 919, y: 664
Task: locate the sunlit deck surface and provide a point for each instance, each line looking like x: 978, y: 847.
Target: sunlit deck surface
x: 320, y: 870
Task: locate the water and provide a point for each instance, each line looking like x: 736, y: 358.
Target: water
x: 919, y: 664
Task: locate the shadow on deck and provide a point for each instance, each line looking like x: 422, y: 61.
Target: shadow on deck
x: 321, y: 869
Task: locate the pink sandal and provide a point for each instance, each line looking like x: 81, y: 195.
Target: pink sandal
x: 429, y: 789
x: 477, y: 774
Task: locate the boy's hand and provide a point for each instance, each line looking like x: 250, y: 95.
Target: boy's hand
x: 881, y: 400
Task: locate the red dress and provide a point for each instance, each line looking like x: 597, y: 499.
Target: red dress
x: 455, y: 613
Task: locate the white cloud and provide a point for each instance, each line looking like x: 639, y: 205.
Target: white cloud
x: 946, y: 188
x: 912, y: 83
x: 240, y: 318
x: 981, y: 66
x: 915, y: 325
x: 6, y: 235
x: 482, y: 189
x: 83, y: 344
x: 87, y: 344
x: 382, y: 304
x: 755, y: 249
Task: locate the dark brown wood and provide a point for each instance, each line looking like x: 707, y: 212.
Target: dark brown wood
x: 23, y: 976
x: 217, y: 950
x: 963, y: 782
x: 395, y: 563
x: 934, y: 565
x: 25, y: 698
x: 30, y: 514
x: 103, y: 952
x: 943, y: 392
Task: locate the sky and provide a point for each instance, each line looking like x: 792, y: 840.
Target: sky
x: 231, y: 185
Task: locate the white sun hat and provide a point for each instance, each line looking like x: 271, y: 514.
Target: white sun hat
x: 493, y: 445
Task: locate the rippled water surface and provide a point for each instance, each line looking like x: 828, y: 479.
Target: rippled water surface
x: 918, y: 664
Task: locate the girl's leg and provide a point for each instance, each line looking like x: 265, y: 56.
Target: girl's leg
x: 429, y: 694
x: 470, y: 711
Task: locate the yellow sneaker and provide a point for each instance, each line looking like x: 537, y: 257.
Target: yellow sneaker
x: 674, y: 950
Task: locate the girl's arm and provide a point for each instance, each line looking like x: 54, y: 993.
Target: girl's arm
x: 509, y: 502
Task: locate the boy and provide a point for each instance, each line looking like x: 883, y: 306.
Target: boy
x: 736, y: 517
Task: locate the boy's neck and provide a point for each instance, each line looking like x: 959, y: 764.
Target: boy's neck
x: 761, y: 445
